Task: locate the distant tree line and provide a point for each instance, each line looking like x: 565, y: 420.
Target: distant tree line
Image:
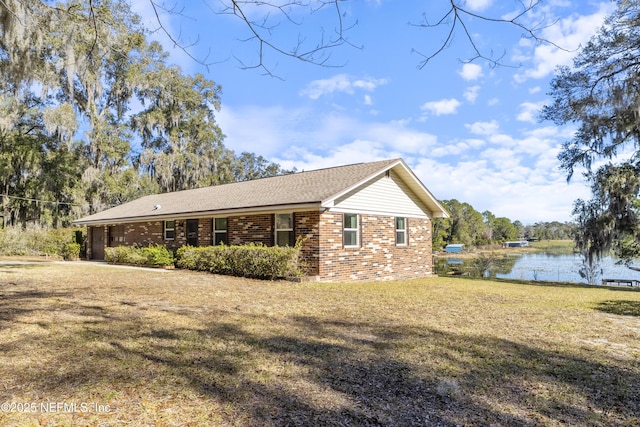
x: 93, y: 115
x: 472, y: 228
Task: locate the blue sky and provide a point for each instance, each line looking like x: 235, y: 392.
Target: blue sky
x: 468, y: 130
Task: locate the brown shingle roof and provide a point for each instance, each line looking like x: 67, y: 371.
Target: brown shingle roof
x: 302, y: 188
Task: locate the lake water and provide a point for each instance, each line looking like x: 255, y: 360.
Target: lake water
x: 542, y: 266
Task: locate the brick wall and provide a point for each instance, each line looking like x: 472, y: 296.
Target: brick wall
x: 307, y: 227
x: 145, y: 234
x: 323, y: 255
x: 378, y: 257
x: 250, y: 229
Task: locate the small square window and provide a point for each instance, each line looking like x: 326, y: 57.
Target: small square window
x: 169, y: 230
x: 284, y: 235
x: 401, y: 231
x: 220, y: 231
x: 351, y: 231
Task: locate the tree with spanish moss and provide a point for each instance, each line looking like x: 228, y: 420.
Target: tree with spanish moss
x: 600, y: 94
x: 94, y: 69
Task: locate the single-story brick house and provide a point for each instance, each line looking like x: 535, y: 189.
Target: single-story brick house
x: 366, y: 221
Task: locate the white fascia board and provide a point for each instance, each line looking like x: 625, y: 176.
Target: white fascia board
x: 377, y: 213
x: 421, y: 188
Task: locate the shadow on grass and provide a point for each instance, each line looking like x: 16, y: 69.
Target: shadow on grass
x: 9, y: 265
x: 16, y: 301
x: 621, y: 307
x: 315, y: 371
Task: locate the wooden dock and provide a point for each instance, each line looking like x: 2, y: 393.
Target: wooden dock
x: 620, y: 282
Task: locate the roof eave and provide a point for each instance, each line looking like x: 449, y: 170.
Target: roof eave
x: 199, y: 214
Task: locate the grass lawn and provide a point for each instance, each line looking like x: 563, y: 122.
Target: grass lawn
x: 178, y: 348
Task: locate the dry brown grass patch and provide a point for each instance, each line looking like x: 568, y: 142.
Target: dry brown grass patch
x: 185, y: 348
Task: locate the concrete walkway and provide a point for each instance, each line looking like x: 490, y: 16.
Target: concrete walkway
x: 91, y: 263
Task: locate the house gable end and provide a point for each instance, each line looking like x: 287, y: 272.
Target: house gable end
x: 386, y: 194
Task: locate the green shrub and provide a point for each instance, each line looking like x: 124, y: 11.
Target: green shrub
x: 253, y: 260
x: 36, y: 241
x: 151, y: 256
x: 116, y: 255
x: 157, y: 255
x: 71, y: 251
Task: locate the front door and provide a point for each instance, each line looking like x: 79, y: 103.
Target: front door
x: 192, y: 232
x: 97, y: 242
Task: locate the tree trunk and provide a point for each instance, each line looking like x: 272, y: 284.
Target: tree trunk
x: 5, y: 207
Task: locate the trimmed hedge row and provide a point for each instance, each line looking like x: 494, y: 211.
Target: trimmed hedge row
x: 70, y: 251
x: 253, y: 260
x: 151, y: 256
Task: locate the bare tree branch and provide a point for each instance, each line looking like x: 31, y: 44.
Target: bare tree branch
x: 456, y: 16
x: 263, y: 19
x: 92, y: 16
x: 261, y: 32
x: 175, y: 40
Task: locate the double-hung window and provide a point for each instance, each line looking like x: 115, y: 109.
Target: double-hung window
x: 220, y: 231
x: 351, y: 231
x: 401, y: 231
x: 169, y: 230
x: 284, y: 235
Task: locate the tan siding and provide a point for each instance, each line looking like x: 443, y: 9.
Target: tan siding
x: 387, y: 195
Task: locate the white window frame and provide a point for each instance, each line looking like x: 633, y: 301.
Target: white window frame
x: 165, y: 229
x: 402, y: 231
x: 277, y: 230
x: 217, y: 231
x: 350, y: 230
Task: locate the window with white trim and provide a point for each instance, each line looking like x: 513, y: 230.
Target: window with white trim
x: 351, y: 230
x: 220, y: 231
x: 401, y: 231
x: 284, y: 235
x: 169, y: 230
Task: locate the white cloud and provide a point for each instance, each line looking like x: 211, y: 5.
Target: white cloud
x: 461, y: 149
x: 563, y: 133
x: 501, y: 157
x: 368, y: 84
x: 399, y: 137
x: 478, y: 5
x: 527, y: 194
x: 529, y: 111
x: 471, y: 72
x: 442, y: 107
x: 340, y: 83
x: 262, y: 130
x: 471, y: 93
x: 483, y: 128
x: 515, y: 176
x: 273, y: 131
x: 569, y: 34
x: 356, y: 151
